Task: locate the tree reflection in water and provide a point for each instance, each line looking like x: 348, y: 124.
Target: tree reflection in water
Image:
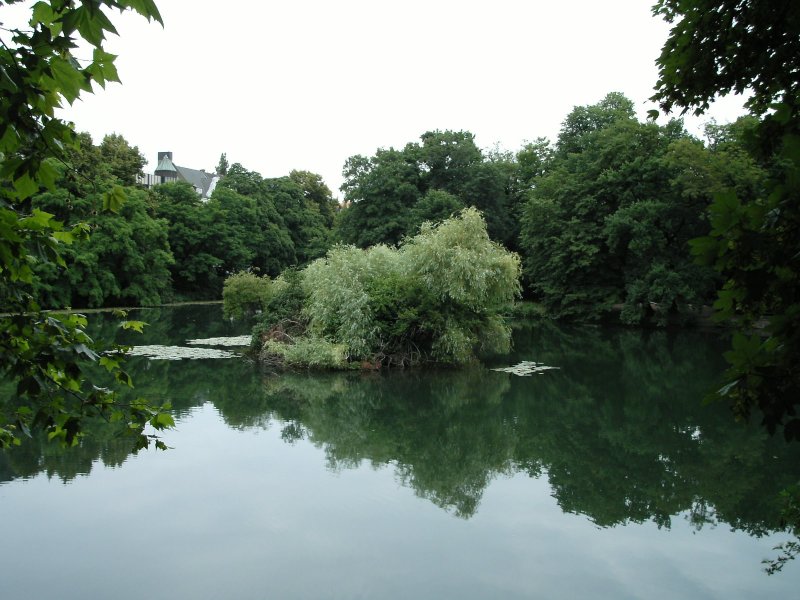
x: 619, y: 430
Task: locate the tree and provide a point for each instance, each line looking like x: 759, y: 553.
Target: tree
x: 608, y: 222
x: 125, y: 261
x: 45, y: 354
x: 315, y: 191
x: 385, y: 190
x: 584, y: 120
x: 434, y: 206
x: 222, y: 165
x: 123, y: 161
x: 382, y: 190
x: 717, y: 47
x: 194, y: 237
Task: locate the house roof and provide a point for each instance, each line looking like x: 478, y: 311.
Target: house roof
x: 201, y: 180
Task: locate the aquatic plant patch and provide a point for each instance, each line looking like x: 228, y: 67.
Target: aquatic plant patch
x: 526, y: 367
x: 157, y: 352
x: 235, y: 341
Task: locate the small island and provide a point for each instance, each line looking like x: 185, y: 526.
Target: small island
x: 440, y: 297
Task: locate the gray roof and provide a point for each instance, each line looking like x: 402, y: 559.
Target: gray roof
x: 199, y: 179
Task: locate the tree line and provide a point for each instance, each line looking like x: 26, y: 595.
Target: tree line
x: 167, y: 243
x: 601, y: 218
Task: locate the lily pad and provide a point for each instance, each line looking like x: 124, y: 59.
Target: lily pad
x: 525, y: 368
x: 157, y: 352
x: 236, y: 341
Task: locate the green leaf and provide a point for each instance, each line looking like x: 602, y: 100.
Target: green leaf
x: 38, y: 220
x: 146, y: 8
x: 134, y: 325
x: 47, y: 175
x: 70, y: 80
x: 42, y: 13
x: 25, y: 186
x: 114, y: 199
x: 162, y: 421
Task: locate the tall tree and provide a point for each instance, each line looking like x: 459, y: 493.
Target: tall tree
x: 381, y: 191
x: 45, y: 354
x: 384, y: 190
x: 608, y: 223
x: 222, y: 165
x: 717, y: 47
x: 123, y: 161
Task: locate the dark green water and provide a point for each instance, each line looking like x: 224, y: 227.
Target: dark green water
x: 606, y: 478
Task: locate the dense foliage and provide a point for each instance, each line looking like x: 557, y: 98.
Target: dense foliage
x: 609, y: 218
x: 245, y: 293
x: 393, y: 192
x: 602, y: 218
x: 49, y: 356
x: 722, y: 46
x: 168, y: 243
x: 126, y: 260
x: 265, y: 225
x: 754, y: 240
x: 439, y: 297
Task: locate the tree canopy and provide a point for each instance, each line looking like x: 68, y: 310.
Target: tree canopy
x: 611, y: 210
x: 750, y: 46
x: 48, y: 355
x: 389, y: 193
x: 717, y: 47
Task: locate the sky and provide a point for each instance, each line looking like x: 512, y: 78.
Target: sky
x: 305, y: 84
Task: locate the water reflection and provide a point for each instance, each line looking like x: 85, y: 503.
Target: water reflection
x: 618, y: 430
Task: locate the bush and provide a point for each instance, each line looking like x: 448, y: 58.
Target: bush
x: 309, y: 351
x: 245, y: 293
x: 283, y: 312
x: 441, y: 297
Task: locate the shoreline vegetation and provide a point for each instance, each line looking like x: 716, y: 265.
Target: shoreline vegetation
x: 441, y: 297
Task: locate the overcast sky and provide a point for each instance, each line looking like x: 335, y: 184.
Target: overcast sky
x: 304, y: 84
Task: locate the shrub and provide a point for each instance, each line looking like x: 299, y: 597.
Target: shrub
x: 283, y: 311
x: 308, y: 351
x: 245, y: 293
x: 441, y: 297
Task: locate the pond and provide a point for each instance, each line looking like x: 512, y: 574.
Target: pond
x: 605, y: 477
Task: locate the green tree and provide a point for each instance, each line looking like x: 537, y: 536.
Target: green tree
x: 126, y: 260
x: 316, y: 192
x: 48, y: 355
x: 440, y: 297
x: 123, y: 161
x: 715, y: 48
x: 302, y: 213
x: 194, y: 235
x: 608, y: 222
x: 222, y: 165
x: 381, y: 191
x: 434, y: 206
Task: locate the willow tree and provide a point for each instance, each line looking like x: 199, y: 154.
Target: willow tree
x: 439, y: 297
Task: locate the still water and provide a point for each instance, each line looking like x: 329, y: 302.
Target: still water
x: 604, y: 478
